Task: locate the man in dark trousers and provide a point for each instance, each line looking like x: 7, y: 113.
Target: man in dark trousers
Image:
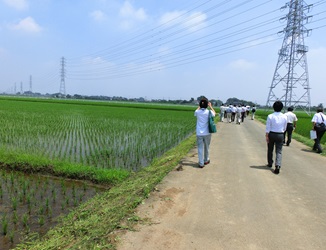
x: 275, y: 126
x: 292, y: 122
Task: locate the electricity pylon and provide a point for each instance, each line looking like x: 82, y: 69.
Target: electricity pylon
x: 62, y: 90
x: 291, y: 80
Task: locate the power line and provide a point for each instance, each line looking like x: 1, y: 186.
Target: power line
x: 182, y: 40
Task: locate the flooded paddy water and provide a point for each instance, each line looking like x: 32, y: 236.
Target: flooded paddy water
x: 33, y: 203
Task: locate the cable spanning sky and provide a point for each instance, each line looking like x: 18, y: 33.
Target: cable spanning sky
x: 153, y: 49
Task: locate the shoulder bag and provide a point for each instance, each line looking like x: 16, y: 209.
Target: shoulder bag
x: 320, y: 127
x: 211, y: 123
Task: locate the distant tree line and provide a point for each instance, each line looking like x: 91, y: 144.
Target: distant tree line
x: 191, y: 101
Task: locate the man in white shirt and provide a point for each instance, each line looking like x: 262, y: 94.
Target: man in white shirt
x: 292, y: 122
x: 318, y: 118
x: 222, y: 111
x: 275, y: 126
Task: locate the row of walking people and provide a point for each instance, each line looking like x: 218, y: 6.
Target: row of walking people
x: 278, y: 124
x: 236, y: 113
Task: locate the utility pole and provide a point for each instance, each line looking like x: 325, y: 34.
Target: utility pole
x: 62, y: 90
x: 291, y: 81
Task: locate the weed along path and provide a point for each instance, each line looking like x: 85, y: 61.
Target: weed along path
x: 236, y: 202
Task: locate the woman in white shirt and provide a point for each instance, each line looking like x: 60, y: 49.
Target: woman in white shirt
x: 318, y: 118
x: 202, y: 132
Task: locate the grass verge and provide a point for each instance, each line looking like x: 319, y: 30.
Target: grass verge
x: 31, y: 164
x: 91, y: 224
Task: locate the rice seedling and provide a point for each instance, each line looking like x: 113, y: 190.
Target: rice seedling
x: 4, y: 224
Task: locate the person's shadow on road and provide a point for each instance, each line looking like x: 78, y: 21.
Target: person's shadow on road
x: 262, y: 167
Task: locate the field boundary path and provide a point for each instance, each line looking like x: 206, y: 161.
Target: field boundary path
x: 236, y: 202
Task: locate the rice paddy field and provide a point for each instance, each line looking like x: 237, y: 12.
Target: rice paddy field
x: 100, y: 135
x: 48, y: 147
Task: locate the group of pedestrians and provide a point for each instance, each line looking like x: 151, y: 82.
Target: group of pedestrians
x: 279, y: 128
x: 236, y: 113
x: 278, y: 125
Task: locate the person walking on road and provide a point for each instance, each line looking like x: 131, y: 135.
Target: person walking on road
x: 238, y: 115
x: 253, y: 111
x: 275, y: 127
x: 317, y: 119
x: 292, y: 122
x: 222, y: 112
x: 202, y: 132
x: 229, y: 113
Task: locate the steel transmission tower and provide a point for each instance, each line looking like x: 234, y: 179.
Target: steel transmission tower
x: 30, y: 83
x: 62, y: 90
x: 291, y: 82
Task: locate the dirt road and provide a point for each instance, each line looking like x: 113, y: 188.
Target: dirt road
x: 236, y: 202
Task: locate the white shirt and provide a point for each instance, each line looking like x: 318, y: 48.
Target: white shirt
x: 276, y: 122
x: 202, y: 121
x: 291, y: 117
x: 317, y: 118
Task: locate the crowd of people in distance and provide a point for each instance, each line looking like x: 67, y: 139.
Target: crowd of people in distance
x: 236, y: 113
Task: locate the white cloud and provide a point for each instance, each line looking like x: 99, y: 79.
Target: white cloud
x: 170, y: 18
x: 27, y: 24
x: 195, y: 21
x: 98, y: 15
x: 17, y: 4
x: 192, y: 22
x: 242, y: 64
x: 130, y: 15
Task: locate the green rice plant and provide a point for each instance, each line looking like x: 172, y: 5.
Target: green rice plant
x: 11, y: 236
x: 14, y: 203
x: 47, y: 203
x: 41, y: 220
x: 28, y: 199
x: 4, y: 224
x: 49, y: 212
x: 25, y: 219
x: 41, y: 209
x: 15, y: 217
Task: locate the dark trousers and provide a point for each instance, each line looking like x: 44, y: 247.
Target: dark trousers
x: 289, y: 130
x: 243, y: 114
x: 232, y: 117
x: 275, y: 139
x: 317, y: 145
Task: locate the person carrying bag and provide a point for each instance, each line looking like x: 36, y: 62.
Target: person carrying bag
x: 318, y: 123
x: 203, y: 133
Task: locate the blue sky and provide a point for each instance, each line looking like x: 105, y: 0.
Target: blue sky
x: 154, y: 49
